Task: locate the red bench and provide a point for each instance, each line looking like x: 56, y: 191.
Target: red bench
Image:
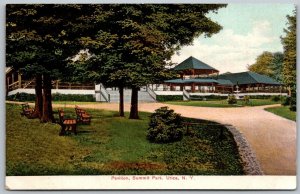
x: 82, y: 115
x: 27, y: 111
x: 66, y: 124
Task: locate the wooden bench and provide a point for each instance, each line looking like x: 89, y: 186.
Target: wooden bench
x: 82, y: 115
x: 66, y: 124
x: 26, y: 110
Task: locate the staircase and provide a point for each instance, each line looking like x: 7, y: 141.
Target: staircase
x: 143, y: 96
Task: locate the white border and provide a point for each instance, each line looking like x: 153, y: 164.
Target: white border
x: 101, y: 182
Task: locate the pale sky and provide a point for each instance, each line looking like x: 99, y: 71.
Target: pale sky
x: 248, y: 30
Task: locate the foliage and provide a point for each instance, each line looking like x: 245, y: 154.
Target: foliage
x: 286, y: 101
x: 163, y: 98
x: 289, y: 63
x: 269, y: 64
x: 73, y: 97
x: 246, y: 99
x: 133, y: 44
x: 231, y: 99
x: 165, y: 126
x: 275, y: 98
x: 210, y: 97
x: 23, y: 97
x: 283, y: 111
x: 105, y: 147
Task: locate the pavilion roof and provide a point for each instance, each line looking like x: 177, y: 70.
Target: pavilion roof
x: 248, y: 78
x: 185, y: 81
x: 193, y: 63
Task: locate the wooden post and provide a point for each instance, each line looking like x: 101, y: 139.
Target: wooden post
x: 20, y: 80
x: 181, y: 87
x: 12, y: 78
x: 56, y: 86
x: 193, y: 87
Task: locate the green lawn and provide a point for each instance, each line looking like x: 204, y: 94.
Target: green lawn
x: 223, y: 103
x: 283, y: 111
x: 113, y: 145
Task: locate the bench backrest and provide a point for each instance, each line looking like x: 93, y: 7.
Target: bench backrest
x: 61, y: 115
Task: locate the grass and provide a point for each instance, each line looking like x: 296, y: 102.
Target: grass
x: 223, y: 103
x: 283, y: 111
x: 114, y: 145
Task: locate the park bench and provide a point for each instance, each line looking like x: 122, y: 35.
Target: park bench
x: 26, y: 110
x: 82, y: 115
x: 66, y: 124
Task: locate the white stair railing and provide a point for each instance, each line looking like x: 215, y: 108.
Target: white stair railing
x: 186, y: 95
x: 151, y: 92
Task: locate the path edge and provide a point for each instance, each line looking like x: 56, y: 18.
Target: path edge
x: 250, y: 163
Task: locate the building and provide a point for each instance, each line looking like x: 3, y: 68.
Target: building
x: 195, y: 78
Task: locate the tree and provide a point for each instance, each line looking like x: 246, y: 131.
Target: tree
x: 132, y: 44
x: 39, y: 40
x: 263, y: 64
x: 289, y: 62
x: 269, y: 64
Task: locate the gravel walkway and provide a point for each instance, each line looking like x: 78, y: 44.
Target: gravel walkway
x: 273, y: 138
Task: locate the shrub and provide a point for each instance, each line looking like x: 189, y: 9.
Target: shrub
x: 165, y: 126
x: 163, y: 98
x: 275, y: 98
x: 293, y: 103
x: 23, y: 97
x: 231, y: 99
x: 260, y: 96
x: 286, y: 101
x: 246, y: 99
x: 210, y: 97
x: 73, y: 97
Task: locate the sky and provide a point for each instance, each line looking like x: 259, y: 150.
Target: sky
x: 248, y: 31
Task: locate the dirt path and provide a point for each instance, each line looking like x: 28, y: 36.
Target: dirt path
x: 273, y: 138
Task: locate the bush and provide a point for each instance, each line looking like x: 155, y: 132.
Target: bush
x: 165, y: 126
x: 260, y: 96
x: 163, y: 98
x: 210, y: 97
x: 275, y: 98
x: 286, y: 101
x: 24, y: 97
x: 231, y: 99
x: 246, y: 99
x: 73, y: 97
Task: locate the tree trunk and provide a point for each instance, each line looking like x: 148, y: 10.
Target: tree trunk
x: 47, y: 100
x: 121, y: 103
x: 38, y: 108
x: 134, y: 114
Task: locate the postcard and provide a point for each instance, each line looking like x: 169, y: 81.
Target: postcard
x: 150, y: 96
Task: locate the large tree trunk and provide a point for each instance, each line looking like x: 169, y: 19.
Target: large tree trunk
x: 47, y: 100
x: 134, y: 114
x: 121, y: 104
x: 38, y: 108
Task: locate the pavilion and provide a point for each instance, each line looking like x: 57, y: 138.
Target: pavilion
x: 196, y: 76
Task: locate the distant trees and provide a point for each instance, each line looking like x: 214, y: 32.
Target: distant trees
x: 289, y: 62
x: 269, y: 64
x: 281, y: 66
